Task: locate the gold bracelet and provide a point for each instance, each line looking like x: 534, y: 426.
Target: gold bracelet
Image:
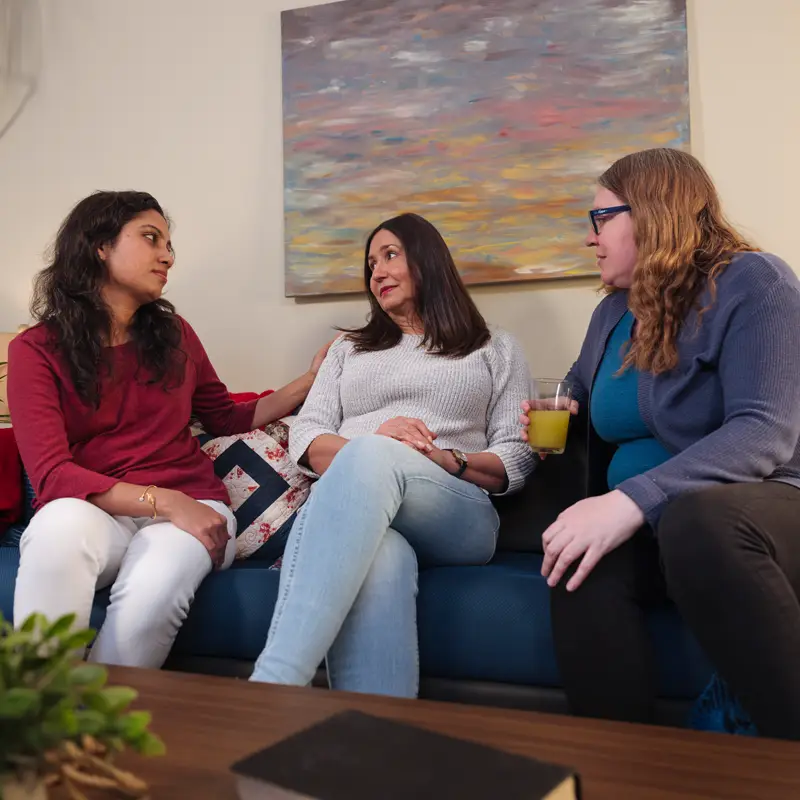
x: 148, y: 495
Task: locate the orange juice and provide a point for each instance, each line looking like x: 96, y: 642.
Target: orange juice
x: 547, y: 432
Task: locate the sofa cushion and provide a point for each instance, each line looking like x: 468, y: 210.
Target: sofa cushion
x: 231, y: 613
x: 229, y: 618
x: 265, y: 487
x: 487, y: 623
x: 557, y: 483
x: 29, y: 496
x: 9, y: 564
x: 492, y: 623
x: 12, y: 535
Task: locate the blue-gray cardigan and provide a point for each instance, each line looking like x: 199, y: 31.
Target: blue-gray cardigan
x: 730, y: 411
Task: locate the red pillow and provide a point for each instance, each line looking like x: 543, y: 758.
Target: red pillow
x: 243, y: 397
x: 11, y: 484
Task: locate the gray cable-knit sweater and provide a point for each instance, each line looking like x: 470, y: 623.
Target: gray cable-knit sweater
x: 471, y: 403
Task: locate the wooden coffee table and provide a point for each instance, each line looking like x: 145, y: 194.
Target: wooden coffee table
x: 208, y: 723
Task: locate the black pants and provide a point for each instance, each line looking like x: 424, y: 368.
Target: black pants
x: 729, y: 558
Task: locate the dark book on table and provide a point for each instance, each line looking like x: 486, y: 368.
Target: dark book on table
x: 355, y: 756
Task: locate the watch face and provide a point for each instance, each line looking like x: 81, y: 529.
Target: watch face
x: 459, y: 456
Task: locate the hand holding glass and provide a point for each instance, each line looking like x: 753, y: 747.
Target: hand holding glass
x: 550, y: 409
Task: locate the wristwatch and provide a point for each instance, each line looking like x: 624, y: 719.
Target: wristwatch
x: 461, y: 460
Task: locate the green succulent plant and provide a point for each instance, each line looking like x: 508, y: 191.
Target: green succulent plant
x: 58, y: 718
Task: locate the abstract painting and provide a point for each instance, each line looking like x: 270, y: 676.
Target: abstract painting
x: 491, y: 118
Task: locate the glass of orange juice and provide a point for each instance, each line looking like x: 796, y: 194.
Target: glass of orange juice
x: 549, y: 415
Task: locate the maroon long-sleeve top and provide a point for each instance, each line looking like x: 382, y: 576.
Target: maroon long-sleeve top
x: 139, y: 434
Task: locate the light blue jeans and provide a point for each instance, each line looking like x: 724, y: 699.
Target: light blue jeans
x: 348, y: 582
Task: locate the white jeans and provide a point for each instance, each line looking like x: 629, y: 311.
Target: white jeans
x: 71, y: 548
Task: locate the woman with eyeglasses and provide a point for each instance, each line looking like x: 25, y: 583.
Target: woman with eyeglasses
x: 689, y: 380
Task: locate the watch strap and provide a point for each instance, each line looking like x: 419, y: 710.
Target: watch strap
x: 461, y: 460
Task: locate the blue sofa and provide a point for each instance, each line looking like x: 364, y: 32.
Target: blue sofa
x: 484, y: 631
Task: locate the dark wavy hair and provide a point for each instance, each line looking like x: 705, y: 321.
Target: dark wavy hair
x: 67, y: 298
x: 452, y: 324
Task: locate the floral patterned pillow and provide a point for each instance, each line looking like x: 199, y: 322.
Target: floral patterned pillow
x: 264, y: 485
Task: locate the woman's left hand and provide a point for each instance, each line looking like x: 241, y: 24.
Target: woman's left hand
x: 590, y: 528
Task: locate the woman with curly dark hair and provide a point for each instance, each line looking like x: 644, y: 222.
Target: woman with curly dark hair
x: 101, y: 392
x: 689, y: 378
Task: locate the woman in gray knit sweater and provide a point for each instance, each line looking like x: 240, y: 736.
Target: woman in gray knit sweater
x: 411, y: 425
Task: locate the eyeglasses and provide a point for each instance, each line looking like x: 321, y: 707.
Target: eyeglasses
x: 603, y: 213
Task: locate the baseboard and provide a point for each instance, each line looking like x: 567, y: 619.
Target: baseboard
x: 549, y: 700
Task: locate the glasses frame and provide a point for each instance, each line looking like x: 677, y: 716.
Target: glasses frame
x: 605, y: 212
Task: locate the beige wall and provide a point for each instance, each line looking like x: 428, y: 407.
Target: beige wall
x: 183, y: 98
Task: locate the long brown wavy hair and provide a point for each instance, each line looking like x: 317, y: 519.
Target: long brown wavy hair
x: 683, y: 240
x: 68, y: 300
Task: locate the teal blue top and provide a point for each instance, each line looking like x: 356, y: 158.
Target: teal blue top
x: 615, y: 411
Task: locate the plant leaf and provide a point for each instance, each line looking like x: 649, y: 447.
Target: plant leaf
x: 61, y: 722
x: 117, y: 698
x: 30, y: 623
x: 148, y: 744
x: 16, y: 639
x: 91, y: 722
x: 19, y: 702
x: 79, y: 639
x: 88, y: 676
x: 134, y: 724
x: 32, y: 740
x: 60, y: 626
